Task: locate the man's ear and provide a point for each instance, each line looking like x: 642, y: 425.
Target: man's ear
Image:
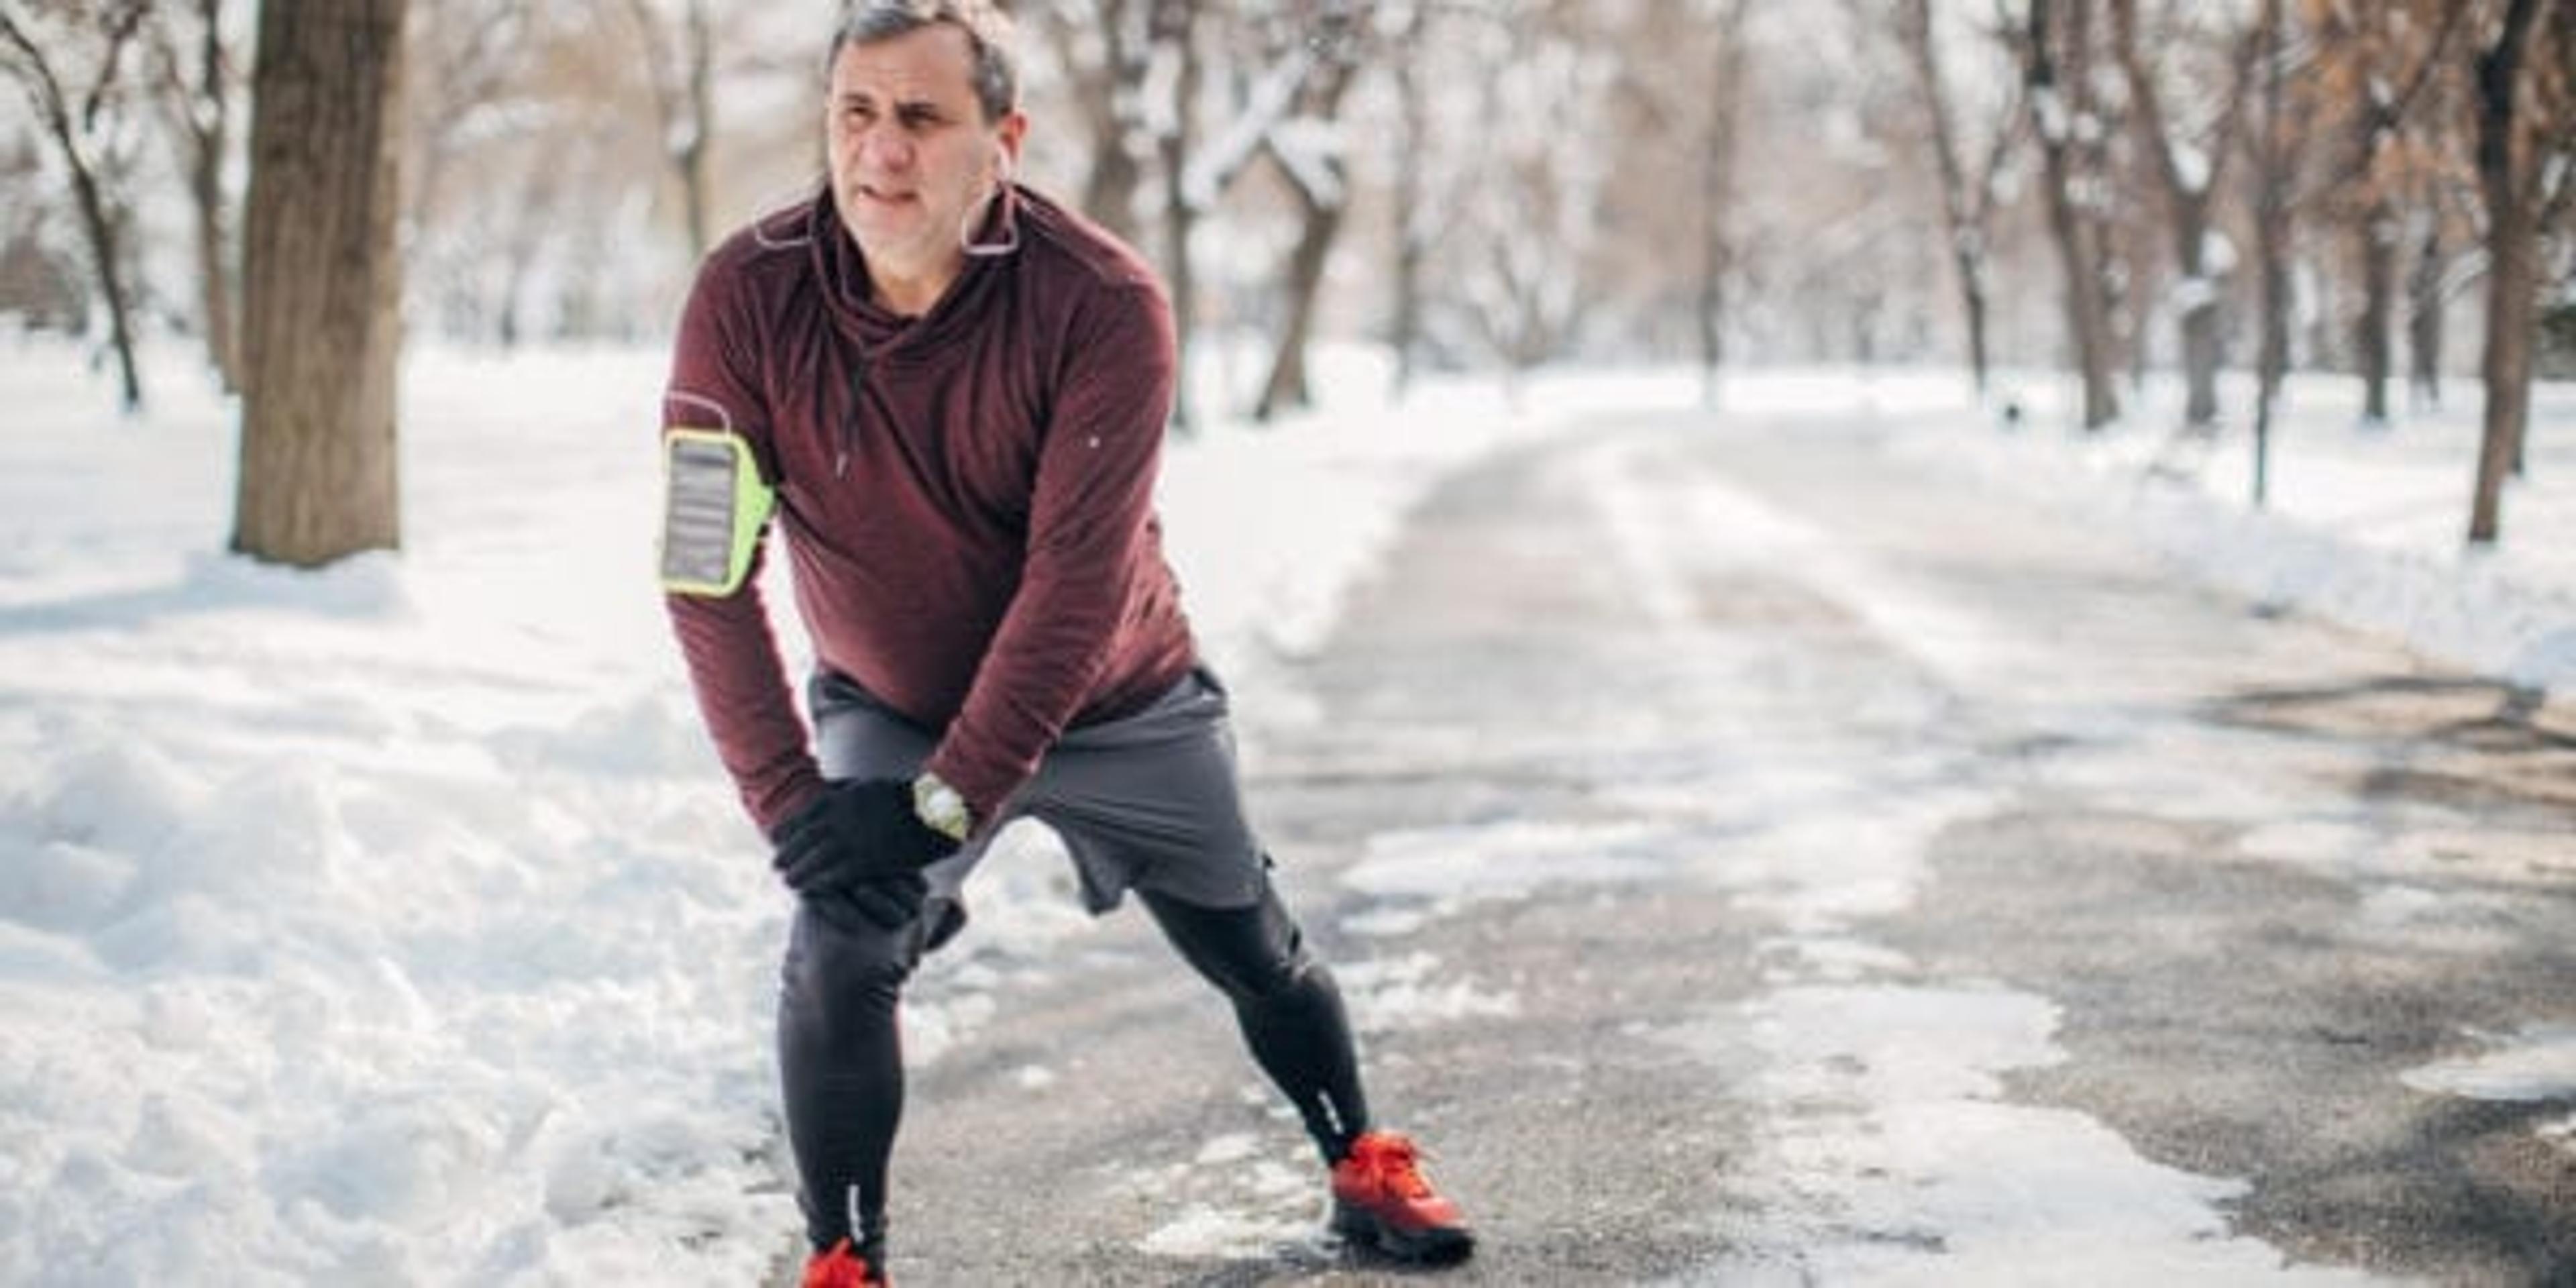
x: 1007, y: 140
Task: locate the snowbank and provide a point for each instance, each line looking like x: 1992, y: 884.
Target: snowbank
x: 2365, y: 523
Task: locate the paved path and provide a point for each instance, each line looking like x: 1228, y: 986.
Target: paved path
x: 1755, y: 859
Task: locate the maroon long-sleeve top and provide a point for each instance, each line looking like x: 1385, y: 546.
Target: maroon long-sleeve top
x: 966, y: 497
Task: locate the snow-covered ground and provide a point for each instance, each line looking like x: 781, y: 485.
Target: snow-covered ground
x: 2363, y: 523
x: 394, y: 924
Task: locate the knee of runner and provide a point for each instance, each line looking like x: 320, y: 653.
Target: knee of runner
x: 1272, y: 977
x: 832, y: 967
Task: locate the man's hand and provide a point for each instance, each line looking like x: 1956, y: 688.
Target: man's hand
x: 864, y: 838
x: 891, y: 902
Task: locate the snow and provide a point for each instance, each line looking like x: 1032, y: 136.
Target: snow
x: 1884, y: 1105
x: 1449, y: 868
x: 1310, y: 151
x: 2192, y: 294
x: 1204, y: 1231
x: 2050, y: 111
x: 2218, y: 256
x: 2191, y: 167
x: 2362, y: 526
x: 1389, y: 994
x: 1270, y: 101
x: 394, y: 923
x: 2538, y: 1063
x: 1231, y: 1202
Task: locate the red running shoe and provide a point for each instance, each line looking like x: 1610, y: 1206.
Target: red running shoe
x: 839, y: 1267
x: 1380, y: 1201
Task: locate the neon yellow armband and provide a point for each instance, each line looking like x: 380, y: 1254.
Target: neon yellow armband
x: 714, y: 508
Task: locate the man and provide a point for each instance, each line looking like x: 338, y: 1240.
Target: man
x: 951, y: 394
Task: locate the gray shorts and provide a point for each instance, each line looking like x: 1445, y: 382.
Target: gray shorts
x: 1149, y: 801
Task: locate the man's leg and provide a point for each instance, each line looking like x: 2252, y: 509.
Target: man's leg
x: 840, y: 1056
x: 840, y: 1064
x: 1151, y: 803
x: 1290, y: 1010
x: 1293, y: 1020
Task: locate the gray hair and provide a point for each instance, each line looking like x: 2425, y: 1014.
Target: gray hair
x: 987, y: 28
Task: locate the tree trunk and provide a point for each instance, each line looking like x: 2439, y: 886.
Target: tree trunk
x: 2188, y: 196
x: 1715, y: 261
x: 1174, y: 22
x: 1717, y: 193
x: 2202, y: 348
x: 2203, y: 344
x: 2512, y: 268
x: 1109, y: 193
x: 1960, y: 205
x: 1107, y: 97
x: 214, y: 266
x: 2272, y: 233
x: 321, y: 325
x: 692, y: 157
x: 2087, y: 311
x: 209, y: 142
x: 1412, y: 231
x: 75, y: 129
x: 2512, y: 295
x: 2424, y: 321
x: 1286, y: 388
x: 99, y: 225
x: 1980, y: 361
x: 2371, y: 339
x: 680, y: 69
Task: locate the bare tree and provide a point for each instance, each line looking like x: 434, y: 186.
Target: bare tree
x: 1196, y: 174
x: 2276, y: 145
x: 69, y: 55
x: 1527, y: 252
x: 468, y: 56
x: 2188, y: 171
x: 2425, y: 298
x: 321, y: 322
x: 2373, y: 67
x: 1968, y: 191
x: 1722, y: 130
x: 533, y: 138
x: 1408, y: 31
x: 197, y: 77
x: 1173, y: 29
x: 2511, y: 137
x: 2055, y: 58
x: 1104, y: 48
x: 1307, y: 147
x: 679, y: 68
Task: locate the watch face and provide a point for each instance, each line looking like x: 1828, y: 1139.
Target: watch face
x: 941, y: 808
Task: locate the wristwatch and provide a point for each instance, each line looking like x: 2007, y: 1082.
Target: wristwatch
x: 941, y: 808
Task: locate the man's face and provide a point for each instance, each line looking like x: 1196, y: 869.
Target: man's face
x: 912, y: 155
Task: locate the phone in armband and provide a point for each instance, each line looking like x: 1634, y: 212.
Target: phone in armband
x: 714, y: 509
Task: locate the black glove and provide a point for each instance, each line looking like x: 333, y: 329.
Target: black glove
x: 892, y: 902
x: 856, y: 833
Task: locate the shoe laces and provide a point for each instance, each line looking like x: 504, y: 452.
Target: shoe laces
x: 1393, y: 1160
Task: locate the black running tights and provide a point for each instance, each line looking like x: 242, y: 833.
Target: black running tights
x: 841, y: 1063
